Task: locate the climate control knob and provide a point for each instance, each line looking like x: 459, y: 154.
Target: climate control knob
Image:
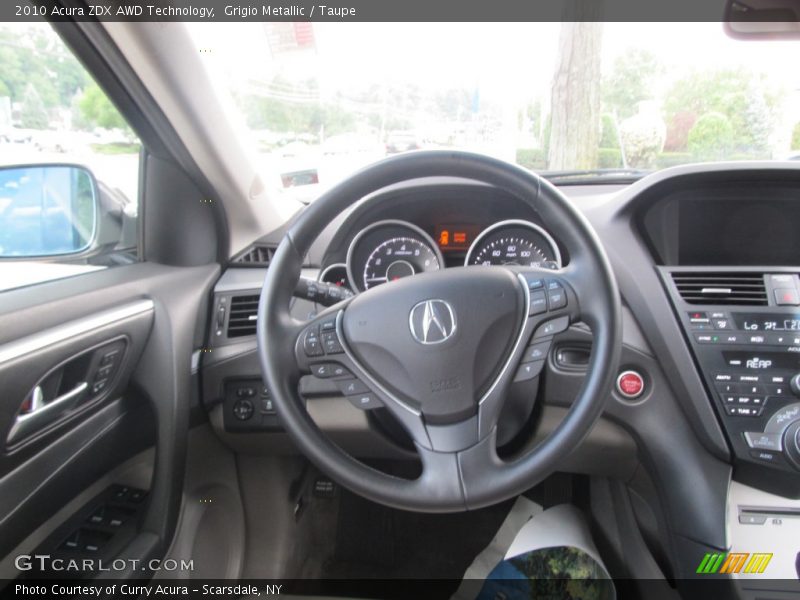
x: 794, y: 383
x: 791, y: 443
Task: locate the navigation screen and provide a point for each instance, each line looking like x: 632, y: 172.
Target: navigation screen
x: 762, y: 322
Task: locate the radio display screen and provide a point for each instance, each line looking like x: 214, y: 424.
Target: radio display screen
x: 766, y: 322
x: 761, y: 361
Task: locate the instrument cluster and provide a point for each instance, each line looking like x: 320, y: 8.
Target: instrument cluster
x: 392, y: 249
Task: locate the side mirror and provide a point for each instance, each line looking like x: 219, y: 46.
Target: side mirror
x: 47, y: 210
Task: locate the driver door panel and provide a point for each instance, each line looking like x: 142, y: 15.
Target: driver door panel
x: 121, y: 342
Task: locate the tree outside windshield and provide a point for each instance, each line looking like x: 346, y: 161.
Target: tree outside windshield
x: 322, y: 99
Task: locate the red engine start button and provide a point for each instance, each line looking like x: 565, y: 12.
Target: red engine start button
x: 630, y: 384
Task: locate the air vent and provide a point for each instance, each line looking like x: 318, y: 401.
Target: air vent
x: 255, y: 256
x: 242, y: 319
x: 742, y: 289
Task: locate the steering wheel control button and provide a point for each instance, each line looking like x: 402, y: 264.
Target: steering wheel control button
x: 556, y: 296
x: 366, y: 401
x: 352, y: 387
x: 763, y: 441
x: 536, y: 283
x: 312, y: 344
x: 630, y: 384
x: 328, y: 370
x: 528, y: 371
x: 329, y: 325
x: 552, y: 327
x: 536, y: 352
x: 330, y: 342
x: 538, y: 303
x: 243, y: 410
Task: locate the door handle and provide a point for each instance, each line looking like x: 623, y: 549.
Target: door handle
x: 43, y: 413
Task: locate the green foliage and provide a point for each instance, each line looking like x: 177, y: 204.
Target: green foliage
x: 630, y: 82
x: 96, y: 110
x: 738, y: 94
x: 609, y: 158
x: 796, y: 137
x: 36, y: 56
x: 712, y: 137
x: 532, y: 158
x: 33, y: 114
x: 608, y: 132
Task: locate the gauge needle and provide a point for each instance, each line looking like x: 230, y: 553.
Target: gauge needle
x: 377, y: 279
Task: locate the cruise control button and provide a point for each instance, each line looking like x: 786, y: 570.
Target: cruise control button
x: 365, y: 401
x: 528, y: 371
x: 536, y: 352
x: 556, y: 297
x: 330, y: 342
x: 552, y: 327
x: 351, y: 387
x: 538, y: 303
x: 763, y: 441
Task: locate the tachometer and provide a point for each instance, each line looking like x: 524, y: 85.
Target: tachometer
x: 514, y: 243
x: 390, y: 250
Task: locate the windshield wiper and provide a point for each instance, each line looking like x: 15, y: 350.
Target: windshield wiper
x: 616, y: 175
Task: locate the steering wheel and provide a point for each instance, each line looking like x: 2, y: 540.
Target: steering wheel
x: 440, y: 349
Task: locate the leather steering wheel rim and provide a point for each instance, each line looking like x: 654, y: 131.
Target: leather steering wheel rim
x: 471, y: 476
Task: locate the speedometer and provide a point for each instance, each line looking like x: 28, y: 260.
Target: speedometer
x: 514, y: 243
x: 390, y: 250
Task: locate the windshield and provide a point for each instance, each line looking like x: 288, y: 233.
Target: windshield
x: 322, y: 99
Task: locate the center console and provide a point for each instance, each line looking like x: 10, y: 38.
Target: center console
x: 743, y: 327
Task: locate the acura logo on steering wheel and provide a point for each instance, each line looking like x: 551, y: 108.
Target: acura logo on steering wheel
x: 432, y: 321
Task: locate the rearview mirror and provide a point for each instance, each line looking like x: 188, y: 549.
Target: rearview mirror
x: 763, y: 19
x: 46, y: 210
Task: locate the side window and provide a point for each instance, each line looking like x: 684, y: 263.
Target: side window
x: 69, y: 164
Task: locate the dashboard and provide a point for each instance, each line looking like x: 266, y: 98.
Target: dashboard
x: 707, y: 261
x: 424, y: 230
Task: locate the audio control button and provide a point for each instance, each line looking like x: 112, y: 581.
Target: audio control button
x: 738, y: 410
x: 763, y: 441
